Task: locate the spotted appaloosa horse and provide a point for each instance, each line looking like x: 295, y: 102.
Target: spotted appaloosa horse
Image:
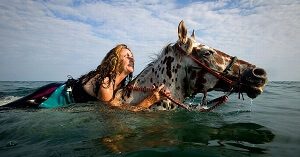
x: 188, y: 67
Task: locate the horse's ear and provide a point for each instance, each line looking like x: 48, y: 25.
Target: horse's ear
x: 193, y: 35
x: 182, y: 32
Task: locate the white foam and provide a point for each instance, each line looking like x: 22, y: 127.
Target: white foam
x: 8, y: 99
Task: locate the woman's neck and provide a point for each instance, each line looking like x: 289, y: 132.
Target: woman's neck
x: 119, y: 78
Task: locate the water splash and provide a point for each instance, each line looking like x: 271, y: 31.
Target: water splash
x: 238, y: 107
x: 8, y: 99
x: 251, y: 104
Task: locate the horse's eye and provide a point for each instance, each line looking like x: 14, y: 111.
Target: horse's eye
x: 207, y: 53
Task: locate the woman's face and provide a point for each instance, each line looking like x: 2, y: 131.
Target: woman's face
x: 126, y: 61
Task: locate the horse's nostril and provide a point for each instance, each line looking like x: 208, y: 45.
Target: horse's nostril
x: 259, y: 73
x: 256, y: 77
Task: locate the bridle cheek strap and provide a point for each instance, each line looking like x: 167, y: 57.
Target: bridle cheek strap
x: 218, y: 75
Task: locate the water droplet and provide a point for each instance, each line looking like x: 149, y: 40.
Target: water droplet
x: 251, y: 104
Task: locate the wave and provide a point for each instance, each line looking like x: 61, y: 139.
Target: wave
x: 8, y: 99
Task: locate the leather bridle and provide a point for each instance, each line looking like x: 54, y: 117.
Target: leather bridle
x: 217, y: 74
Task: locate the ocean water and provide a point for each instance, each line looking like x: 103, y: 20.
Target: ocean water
x: 266, y: 126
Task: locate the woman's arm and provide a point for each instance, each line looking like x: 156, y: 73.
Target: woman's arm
x: 154, y: 97
x: 106, y: 91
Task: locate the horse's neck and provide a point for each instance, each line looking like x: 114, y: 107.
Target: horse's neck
x: 165, y: 70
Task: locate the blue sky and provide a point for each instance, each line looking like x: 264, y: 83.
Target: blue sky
x: 48, y: 40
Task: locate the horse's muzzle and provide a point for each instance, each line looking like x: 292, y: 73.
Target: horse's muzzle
x: 253, y: 81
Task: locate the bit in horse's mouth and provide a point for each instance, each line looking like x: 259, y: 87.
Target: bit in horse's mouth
x: 253, y: 92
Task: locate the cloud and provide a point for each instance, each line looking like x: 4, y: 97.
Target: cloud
x: 47, y: 40
x: 32, y: 38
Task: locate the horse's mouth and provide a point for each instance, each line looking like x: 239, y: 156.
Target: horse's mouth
x: 253, y: 92
x: 253, y: 82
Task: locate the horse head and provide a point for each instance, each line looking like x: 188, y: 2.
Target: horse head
x: 189, y: 67
x: 216, y: 70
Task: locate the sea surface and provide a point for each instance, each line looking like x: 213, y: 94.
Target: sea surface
x: 266, y: 126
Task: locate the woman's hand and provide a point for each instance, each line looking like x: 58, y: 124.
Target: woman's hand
x: 160, y: 93
x: 166, y: 93
x: 157, y: 95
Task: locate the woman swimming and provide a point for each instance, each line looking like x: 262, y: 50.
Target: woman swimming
x: 101, y: 84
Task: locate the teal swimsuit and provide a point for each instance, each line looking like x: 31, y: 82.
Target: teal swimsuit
x: 61, y: 97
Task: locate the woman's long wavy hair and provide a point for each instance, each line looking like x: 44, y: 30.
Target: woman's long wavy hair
x: 109, y: 67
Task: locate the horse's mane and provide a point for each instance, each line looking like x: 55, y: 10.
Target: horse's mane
x: 157, y: 56
x: 153, y: 61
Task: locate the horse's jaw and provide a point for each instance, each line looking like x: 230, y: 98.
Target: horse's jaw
x: 254, y: 92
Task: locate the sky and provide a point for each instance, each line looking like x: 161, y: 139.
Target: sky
x: 47, y: 40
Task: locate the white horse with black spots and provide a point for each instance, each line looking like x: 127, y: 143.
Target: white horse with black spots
x: 188, y: 67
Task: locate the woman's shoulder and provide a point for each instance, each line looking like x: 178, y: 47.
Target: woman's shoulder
x: 105, y: 83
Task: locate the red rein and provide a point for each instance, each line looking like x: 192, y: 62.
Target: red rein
x: 218, y: 101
